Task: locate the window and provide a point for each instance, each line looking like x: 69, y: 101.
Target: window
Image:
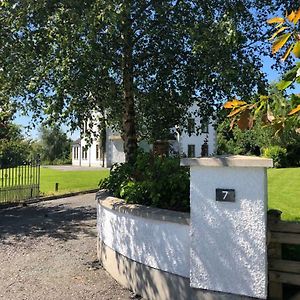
x: 83, y: 128
x: 75, y: 152
x: 84, y: 153
x: 204, y: 126
x: 191, y: 126
x: 97, y: 152
x: 191, y: 150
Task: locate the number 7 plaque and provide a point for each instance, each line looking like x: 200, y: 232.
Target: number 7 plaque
x: 225, y: 195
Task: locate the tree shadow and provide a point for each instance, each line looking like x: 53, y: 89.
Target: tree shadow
x: 60, y: 222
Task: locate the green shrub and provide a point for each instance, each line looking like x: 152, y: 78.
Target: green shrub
x: 154, y: 181
x: 13, y: 152
x: 278, y: 154
x: 62, y: 161
x: 242, y: 142
x: 293, y: 155
x: 120, y: 174
x: 135, y: 192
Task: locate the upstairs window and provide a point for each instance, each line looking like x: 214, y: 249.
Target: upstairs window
x: 204, y: 126
x: 191, y: 126
x: 84, y: 127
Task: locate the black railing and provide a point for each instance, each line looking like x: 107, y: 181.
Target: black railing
x: 20, y: 183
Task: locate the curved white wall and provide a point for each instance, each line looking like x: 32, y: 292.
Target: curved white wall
x: 159, y: 244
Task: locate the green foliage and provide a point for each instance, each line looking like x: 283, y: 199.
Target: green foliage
x: 67, y: 58
x: 243, y: 142
x: 293, y: 154
x: 282, y: 134
x: 14, y: 149
x: 135, y: 192
x: 36, y: 148
x: 153, y: 181
x: 56, y: 146
x: 278, y: 154
x: 58, y: 161
x: 260, y: 140
x: 14, y: 153
x: 8, y: 130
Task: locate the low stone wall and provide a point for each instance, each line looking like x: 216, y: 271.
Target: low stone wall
x: 148, y: 250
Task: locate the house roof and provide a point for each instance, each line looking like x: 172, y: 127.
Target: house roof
x: 77, y: 142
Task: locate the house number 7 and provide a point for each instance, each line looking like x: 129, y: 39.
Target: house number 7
x: 225, y: 195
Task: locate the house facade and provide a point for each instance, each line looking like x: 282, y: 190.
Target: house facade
x: 186, y: 144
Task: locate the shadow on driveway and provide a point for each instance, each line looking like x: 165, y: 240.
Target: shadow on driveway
x: 58, y: 221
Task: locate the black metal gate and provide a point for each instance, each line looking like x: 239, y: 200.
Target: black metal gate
x: 20, y: 183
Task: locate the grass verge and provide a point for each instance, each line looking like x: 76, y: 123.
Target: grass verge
x: 284, y: 192
x: 283, y: 187
x: 69, y: 181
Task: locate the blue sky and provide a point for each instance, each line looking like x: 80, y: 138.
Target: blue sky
x: 272, y: 75
x: 34, y: 134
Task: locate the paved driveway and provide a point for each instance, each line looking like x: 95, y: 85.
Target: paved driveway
x: 48, y: 251
x: 74, y: 168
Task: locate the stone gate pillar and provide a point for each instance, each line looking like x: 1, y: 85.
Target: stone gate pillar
x: 228, y: 224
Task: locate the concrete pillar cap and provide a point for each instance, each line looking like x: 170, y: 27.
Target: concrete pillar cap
x: 228, y: 161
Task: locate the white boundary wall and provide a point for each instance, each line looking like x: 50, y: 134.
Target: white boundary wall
x: 157, y: 244
x: 222, y: 252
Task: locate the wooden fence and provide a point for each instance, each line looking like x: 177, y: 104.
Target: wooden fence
x: 281, y: 271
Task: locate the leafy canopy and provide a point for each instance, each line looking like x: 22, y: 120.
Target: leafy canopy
x: 286, y: 39
x: 65, y: 59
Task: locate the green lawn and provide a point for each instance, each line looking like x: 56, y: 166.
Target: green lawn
x: 69, y: 181
x: 284, y: 192
x: 284, y: 186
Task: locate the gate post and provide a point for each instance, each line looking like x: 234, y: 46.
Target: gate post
x: 229, y: 225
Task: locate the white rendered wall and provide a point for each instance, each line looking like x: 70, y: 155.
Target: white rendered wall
x: 184, y: 139
x: 94, y: 161
x: 158, y: 244
x: 91, y: 160
x: 198, y: 140
x: 118, y: 155
x: 75, y: 162
x: 228, y: 240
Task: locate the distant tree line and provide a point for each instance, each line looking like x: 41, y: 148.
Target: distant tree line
x: 52, y: 147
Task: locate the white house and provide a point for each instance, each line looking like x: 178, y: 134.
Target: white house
x: 187, y: 144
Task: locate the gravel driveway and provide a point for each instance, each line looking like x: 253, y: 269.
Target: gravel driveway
x: 48, y: 251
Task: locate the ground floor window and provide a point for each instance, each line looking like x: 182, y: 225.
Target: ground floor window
x: 191, y: 126
x: 191, y: 150
x: 76, y: 151
x: 84, y: 153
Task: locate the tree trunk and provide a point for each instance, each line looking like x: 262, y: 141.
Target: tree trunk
x: 129, y: 128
